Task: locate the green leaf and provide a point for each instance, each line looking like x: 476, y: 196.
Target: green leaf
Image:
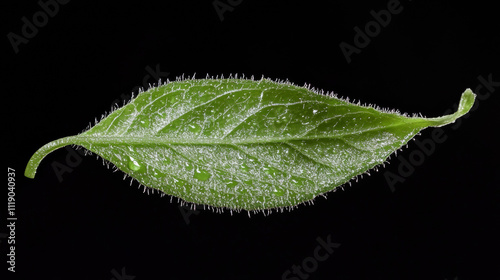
x: 245, y: 144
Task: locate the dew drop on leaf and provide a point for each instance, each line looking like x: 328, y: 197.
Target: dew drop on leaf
x: 278, y: 192
x: 173, y: 98
x: 297, y: 181
x: 144, y: 123
x: 194, y: 128
x: 270, y: 170
x: 188, y: 165
x: 231, y: 183
x: 244, y: 167
x: 180, y: 183
x: 242, y: 191
x: 201, y: 175
x: 133, y: 164
x: 157, y: 174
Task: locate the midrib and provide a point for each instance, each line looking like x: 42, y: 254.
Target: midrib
x: 145, y: 140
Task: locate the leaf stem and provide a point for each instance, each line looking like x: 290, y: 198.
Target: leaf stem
x: 42, y: 152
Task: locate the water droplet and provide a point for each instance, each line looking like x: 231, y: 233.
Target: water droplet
x: 181, y: 183
x: 158, y: 174
x: 297, y: 181
x: 278, y: 192
x: 248, y: 182
x: 242, y: 191
x: 315, y: 111
x: 173, y: 99
x: 231, y: 183
x: 244, y: 167
x: 282, y: 119
x: 144, y: 122
x: 188, y: 165
x: 201, y: 175
x: 270, y: 170
x: 194, y: 127
x: 133, y: 164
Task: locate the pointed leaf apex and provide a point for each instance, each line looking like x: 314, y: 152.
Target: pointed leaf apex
x: 464, y: 106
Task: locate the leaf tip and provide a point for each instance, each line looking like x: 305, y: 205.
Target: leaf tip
x: 466, y: 102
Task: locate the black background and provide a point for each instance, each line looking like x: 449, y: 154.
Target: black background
x: 440, y: 223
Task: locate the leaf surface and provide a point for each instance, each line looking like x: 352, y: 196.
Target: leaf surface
x: 246, y: 144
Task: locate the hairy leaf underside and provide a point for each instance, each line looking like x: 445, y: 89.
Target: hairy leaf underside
x: 246, y: 144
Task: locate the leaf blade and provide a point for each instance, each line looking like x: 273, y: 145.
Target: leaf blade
x: 244, y: 144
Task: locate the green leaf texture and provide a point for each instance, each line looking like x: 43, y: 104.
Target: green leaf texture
x: 246, y: 144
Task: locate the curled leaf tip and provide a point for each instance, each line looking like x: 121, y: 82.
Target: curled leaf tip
x: 466, y: 102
